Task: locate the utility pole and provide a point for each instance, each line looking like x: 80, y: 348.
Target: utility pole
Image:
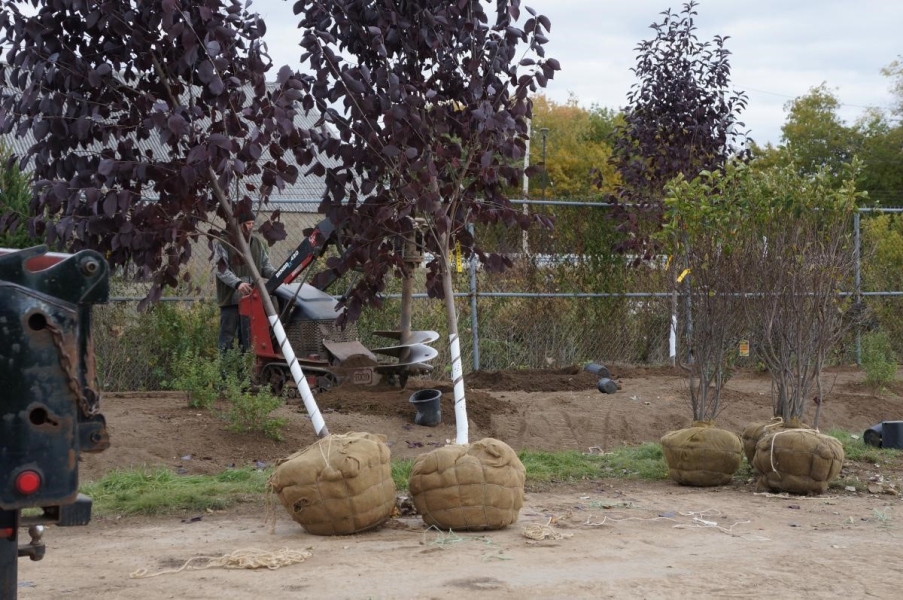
x: 544, y: 131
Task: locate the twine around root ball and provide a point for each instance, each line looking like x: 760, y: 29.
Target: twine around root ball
x: 248, y: 558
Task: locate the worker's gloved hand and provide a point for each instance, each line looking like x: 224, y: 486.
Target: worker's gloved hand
x: 245, y: 289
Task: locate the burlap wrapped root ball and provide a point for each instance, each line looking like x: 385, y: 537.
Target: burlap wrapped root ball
x: 339, y: 485
x: 800, y: 461
x: 702, y: 455
x: 754, y: 432
x: 474, y: 487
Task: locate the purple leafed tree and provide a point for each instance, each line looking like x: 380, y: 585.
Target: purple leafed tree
x: 93, y: 83
x: 429, y: 101
x: 681, y: 118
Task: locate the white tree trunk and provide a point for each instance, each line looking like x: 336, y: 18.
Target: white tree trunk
x: 455, y: 351
x: 300, y: 380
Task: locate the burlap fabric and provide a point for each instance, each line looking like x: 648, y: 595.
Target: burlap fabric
x: 475, y: 487
x: 702, y: 455
x: 756, y: 431
x: 339, y: 485
x: 800, y: 461
x: 753, y: 433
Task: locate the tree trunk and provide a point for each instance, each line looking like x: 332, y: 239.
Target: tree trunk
x: 454, y: 349
x: 300, y: 380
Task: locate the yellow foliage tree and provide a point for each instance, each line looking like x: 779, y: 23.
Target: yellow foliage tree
x: 577, y: 147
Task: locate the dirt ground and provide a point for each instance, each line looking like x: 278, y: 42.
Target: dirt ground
x: 532, y: 409
x: 614, y: 538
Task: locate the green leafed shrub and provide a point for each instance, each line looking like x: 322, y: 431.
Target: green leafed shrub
x: 878, y: 359
x: 249, y: 410
x: 198, y: 376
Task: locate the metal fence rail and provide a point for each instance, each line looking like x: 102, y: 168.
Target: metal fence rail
x: 567, y: 300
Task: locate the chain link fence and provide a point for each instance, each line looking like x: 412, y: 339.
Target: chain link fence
x: 567, y: 300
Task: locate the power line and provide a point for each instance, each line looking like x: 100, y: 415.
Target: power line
x: 749, y: 89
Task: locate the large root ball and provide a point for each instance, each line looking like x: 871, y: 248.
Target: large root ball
x: 800, y: 461
x: 754, y: 432
x: 475, y: 487
x: 702, y: 455
x: 339, y: 485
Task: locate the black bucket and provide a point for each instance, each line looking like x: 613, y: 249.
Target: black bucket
x: 872, y: 436
x: 607, y: 386
x: 429, y: 413
x: 892, y: 434
x: 597, y: 369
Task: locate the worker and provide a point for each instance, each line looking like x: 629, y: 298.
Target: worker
x: 233, y: 281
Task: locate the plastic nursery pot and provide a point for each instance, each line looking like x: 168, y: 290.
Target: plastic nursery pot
x: 607, y: 386
x: 872, y: 435
x: 597, y: 369
x: 892, y: 434
x: 429, y: 413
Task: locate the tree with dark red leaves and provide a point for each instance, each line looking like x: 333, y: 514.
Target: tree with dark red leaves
x: 429, y: 101
x: 94, y: 83
x: 681, y: 118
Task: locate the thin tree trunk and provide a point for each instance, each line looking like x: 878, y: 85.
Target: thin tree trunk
x: 300, y: 380
x: 454, y: 349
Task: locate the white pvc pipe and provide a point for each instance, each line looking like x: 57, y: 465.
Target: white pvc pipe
x: 458, y: 381
x: 300, y: 380
x: 672, y: 337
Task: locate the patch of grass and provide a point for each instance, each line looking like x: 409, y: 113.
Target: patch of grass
x: 401, y: 473
x: 629, y: 462
x: 160, y: 491
x: 858, y: 451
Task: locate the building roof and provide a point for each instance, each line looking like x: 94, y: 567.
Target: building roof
x: 302, y: 196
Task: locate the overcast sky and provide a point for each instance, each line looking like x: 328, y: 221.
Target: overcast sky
x: 781, y: 49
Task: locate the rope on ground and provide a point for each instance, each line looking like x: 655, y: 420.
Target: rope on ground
x: 786, y: 496
x: 699, y: 523
x: 541, y: 531
x: 248, y: 558
x: 613, y: 520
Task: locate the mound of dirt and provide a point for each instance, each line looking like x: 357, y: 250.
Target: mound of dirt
x: 533, y: 380
x: 388, y: 401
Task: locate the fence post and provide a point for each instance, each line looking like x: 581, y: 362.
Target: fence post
x: 857, y: 283
x: 474, y: 318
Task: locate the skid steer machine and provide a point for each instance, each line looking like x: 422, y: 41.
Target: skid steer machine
x: 328, y: 354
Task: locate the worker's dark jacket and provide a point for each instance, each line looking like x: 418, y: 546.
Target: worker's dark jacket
x: 227, y: 281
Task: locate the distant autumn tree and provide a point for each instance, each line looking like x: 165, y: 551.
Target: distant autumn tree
x: 430, y: 104
x: 578, y: 145
x: 681, y: 118
x: 814, y: 135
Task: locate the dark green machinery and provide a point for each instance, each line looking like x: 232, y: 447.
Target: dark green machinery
x: 49, y: 405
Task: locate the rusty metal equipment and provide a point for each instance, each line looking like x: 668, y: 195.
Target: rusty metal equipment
x: 49, y: 405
